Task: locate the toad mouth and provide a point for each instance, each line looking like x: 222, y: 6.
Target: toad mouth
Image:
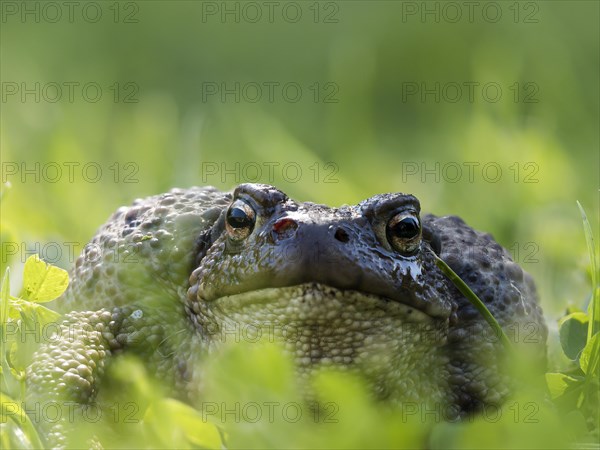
x: 312, y: 298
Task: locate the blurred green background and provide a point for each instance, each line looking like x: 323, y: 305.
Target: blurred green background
x: 365, y: 95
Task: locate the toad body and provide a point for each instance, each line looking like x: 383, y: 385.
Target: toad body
x: 174, y: 276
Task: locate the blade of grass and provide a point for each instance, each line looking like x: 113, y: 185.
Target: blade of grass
x: 594, y: 309
x: 20, y: 418
x: 475, y: 301
x: 4, y: 299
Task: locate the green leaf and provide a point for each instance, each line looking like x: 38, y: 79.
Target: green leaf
x: 590, y: 355
x: 558, y: 383
x: 33, y: 313
x: 11, y: 357
x: 573, y: 333
x: 43, y: 282
x: 185, y: 425
x: 572, y: 309
x: 594, y: 308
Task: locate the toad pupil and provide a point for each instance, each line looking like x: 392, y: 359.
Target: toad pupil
x: 238, y: 218
x: 406, y: 228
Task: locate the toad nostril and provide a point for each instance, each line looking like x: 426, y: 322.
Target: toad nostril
x: 341, y: 235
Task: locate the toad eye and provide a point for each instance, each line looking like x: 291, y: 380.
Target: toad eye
x: 403, y: 232
x: 240, y: 220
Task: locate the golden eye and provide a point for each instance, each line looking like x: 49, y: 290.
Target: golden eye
x: 240, y: 220
x: 403, y: 232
